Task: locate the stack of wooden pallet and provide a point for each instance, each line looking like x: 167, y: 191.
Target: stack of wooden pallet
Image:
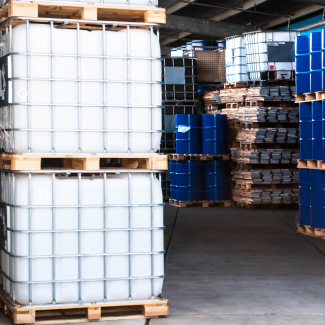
x: 265, y: 156
x: 264, y: 141
x: 266, y: 196
x: 263, y: 114
x: 266, y: 176
x: 250, y: 96
x: 268, y: 135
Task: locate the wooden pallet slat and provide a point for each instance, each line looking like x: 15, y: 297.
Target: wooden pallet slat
x: 310, y: 231
x: 308, y: 97
x: 202, y: 203
x: 61, y: 314
x: 183, y: 157
x: 78, y: 10
x: 311, y: 164
x: 82, y: 162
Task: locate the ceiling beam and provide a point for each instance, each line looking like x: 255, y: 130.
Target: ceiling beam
x: 229, y: 13
x: 217, y: 30
x: 299, y: 13
x: 313, y: 2
x: 177, y: 6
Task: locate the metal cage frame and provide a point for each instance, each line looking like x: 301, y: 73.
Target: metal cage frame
x: 104, y: 175
x: 7, y: 26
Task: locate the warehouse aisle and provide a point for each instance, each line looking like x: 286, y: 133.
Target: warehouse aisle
x: 234, y: 267
x: 238, y: 266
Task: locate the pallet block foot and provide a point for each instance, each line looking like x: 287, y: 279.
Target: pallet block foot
x: 94, y: 313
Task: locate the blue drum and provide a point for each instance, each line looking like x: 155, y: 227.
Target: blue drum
x: 305, y: 130
x: 186, y: 180
x: 215, y: 175
x: 304, y: 196
x: 317, y: 198
x: 214, y: 134
x: 188, y: 134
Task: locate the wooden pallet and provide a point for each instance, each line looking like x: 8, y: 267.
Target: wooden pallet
x: 256, y: 125
x: 310, y: 231
x: 99, y: 312
x: 250, y: 186
x: 271, y: 82
x: 181, y: 157
x: 234, y: 105
x: 78, y: 10
x: 230, y: 85
x: 201, y: 204
x: 260, y: 103
x: 309, y: 97
x: 267, y: 206
x: 83, y: 162
x: 181, y: 102
x: 311, y: 164
x: 253, y: 146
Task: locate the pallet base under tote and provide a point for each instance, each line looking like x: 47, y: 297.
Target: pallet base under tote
x: 202, y: 204
x: 310, y: 231
x: 65, y: 314
x: 77, y: 10
x: 84, y: 161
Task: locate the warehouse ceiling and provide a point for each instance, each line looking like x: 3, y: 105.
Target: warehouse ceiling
x: 216, y: 19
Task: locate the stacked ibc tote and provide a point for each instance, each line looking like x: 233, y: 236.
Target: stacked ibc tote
x: 310, y: 55
x: 81, y: 204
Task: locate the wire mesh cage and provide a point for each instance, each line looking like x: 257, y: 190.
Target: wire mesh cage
x: 71, y: 86
x: 73, y: 238
x: 179, y: 77
x: 210, y: 64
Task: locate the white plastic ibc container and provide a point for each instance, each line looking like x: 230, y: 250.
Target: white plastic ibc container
x: 88, y: 91
x: 257, y: 51
x: 236, y: 69
x: 81, y: 238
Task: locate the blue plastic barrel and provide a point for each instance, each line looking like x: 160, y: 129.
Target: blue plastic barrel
x: 189, y: 46
x: 188, y: 134
x: 315, y: 61
x: 202, y: 43
x: 220, y: 43
x: 302, y: 50
x: 215, y: 180
x: 172, y: 177
x: 305, y: 130
x: 214, y: 134
x: 317, y: 198
x: 186, y: 180
x: 316, y: 109
x: 304, y: 196
x: 323, y: 59
x: 323, y: 130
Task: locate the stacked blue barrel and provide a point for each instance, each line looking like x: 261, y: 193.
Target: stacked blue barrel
x: 199, y: 169
x: 310, y: 65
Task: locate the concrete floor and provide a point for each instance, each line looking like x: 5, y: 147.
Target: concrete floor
x: 232, y: 266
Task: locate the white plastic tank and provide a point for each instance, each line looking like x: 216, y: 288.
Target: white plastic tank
x: 259, y: 58
x: 76, y: 99
x: 236, y: 67
x: 135, y: 251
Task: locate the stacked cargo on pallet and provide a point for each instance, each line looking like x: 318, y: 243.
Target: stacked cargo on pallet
x: 263, y: 123
x: 310, y: 86
x: 180, y: 96
x: 199, y: 169
x: 81, y: 201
